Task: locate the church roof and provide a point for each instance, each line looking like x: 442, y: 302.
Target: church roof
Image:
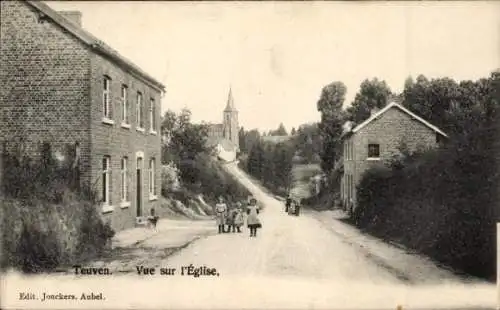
x: 230, y: 103
x: 216, y: 126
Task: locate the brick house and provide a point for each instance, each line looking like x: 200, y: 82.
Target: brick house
x: 378, y: 139
x: 62, y: 85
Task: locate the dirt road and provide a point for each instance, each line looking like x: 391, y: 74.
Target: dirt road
x: 312, y: 261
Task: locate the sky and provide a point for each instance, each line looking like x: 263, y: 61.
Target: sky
x: 277, y: 56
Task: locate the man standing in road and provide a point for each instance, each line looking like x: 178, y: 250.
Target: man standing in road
x: 288, y: 203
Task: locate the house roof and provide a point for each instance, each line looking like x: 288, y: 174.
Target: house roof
x: 405, y: 110
x: 226, y: 144
x: 95, y: 44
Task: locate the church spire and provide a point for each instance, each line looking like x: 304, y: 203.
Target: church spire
x: 230, y: 102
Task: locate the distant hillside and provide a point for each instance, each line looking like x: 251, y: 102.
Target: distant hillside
x: 276, y: 139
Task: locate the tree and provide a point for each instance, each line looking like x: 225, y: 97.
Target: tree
x: 293, y: 131
x: 451, y: 106
x: 373, y: 94
x: 268, y: 170
x: 307, y: 141
x: 282, y: 158
x: 183, y: 142
x: 242, y: 140
x: 330, y: 106
x: 250, y: 138
x: 256, y: 160
x: 281, y: 131
x: 182, y: 139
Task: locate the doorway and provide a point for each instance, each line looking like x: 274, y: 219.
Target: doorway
x: 139, y: 188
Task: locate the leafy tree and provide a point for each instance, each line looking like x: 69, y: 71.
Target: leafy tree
x: 272, y: 164
x: 183, y: 140
x: 242, y: 140
x: 282, y: 163
x: 457, y: 108
x: 330, y: 106
x: 281, y: 131
x: 256, y: 160
x: 308, y: 142
x: 250, y: 139
x: 293, y: 131
x: 268, y: 169
x: 372, y: 94
x: 184, y: 147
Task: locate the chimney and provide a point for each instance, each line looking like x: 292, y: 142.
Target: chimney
x: 73, y: 16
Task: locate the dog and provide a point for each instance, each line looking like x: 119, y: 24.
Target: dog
x: 152, y: 220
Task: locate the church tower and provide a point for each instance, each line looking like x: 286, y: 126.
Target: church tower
x: 230, y: 122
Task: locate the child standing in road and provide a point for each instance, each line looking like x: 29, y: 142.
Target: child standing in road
x: 253, y: 221
x: 230, y: 219
x: 239, y: 219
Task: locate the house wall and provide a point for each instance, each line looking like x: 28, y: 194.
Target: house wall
x: 117, y: 141
x: 44, y: 93
x: 390, y: 130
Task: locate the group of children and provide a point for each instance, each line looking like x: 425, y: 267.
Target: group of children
x: 234, y: 217
x: 292, y: 206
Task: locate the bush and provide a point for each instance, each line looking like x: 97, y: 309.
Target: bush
x: 47, y: 219
x: 170, y: 178
x: 40, y: 236
x: 442, y: 203
x: 205, y: 176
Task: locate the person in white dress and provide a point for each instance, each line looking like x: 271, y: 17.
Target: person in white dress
x: 253, y: 221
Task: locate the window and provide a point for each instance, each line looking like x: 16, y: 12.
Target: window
x: 139, y: 112
x: 373, y: 151
x: 106, y: 98
x: 152, y: 116
x: 152, y: 181
x: 106, y: 173
x: 125, y: 107
x: 124, y: 180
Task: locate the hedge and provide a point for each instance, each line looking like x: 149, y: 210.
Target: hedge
x: 442, y: 203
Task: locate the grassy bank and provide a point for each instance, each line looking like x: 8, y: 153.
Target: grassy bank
x: 48, y: 221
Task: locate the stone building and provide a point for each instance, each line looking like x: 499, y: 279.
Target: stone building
x: 225, y: 137
x: 378, y: 139
x: 62, y: 85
